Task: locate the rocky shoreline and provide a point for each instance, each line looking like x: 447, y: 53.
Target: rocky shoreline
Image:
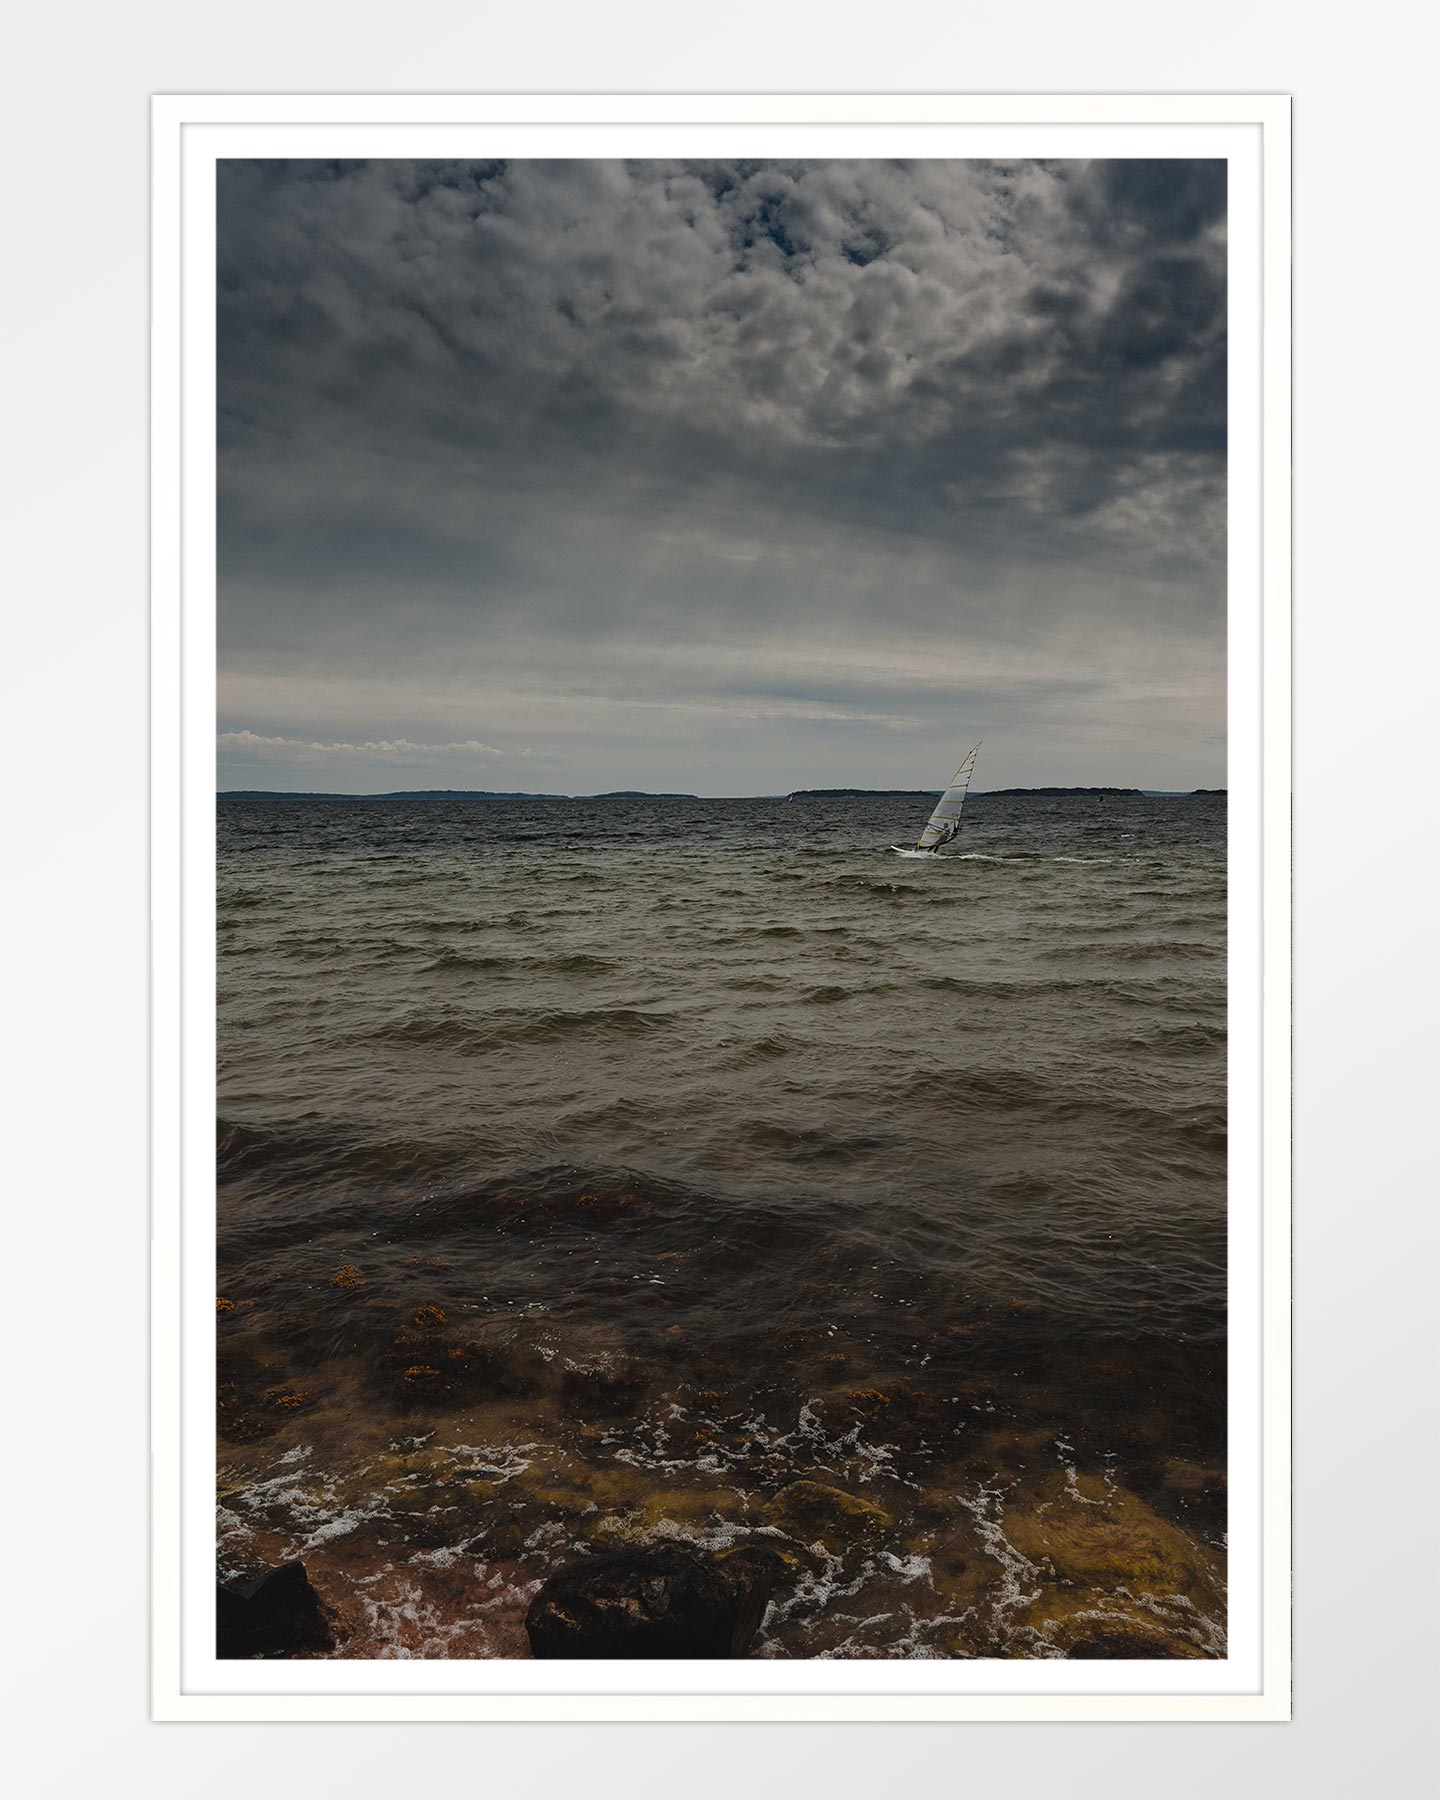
x: 1090, y: 1573
x: 477, y: 1538
x: 414, y: 1465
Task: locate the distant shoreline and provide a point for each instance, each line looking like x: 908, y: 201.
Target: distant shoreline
x: 1045, y: 793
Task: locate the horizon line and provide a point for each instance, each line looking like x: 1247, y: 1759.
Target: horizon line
x: 677, y: 794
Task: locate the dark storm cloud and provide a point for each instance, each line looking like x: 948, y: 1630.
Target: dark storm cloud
x: 630, y: 467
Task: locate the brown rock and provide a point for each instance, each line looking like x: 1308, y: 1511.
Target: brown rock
x: 1118, y: 1643
x: 1101, y: 1537
x: 810, y: 1509
x: 666, y: 1601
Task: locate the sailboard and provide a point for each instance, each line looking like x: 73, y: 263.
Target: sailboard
x: 944, y: 822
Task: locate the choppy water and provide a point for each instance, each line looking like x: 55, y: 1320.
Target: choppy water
x: 594, y: 1170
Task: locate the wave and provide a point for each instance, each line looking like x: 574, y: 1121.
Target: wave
x: 1195, y: 1038
x: 573, y: 963
x: 1126, y: 991
x: 495, y: 1029
x: 968, y: 1092
x: 1161, y: 950
x: 812, y: 1144
x: 768, y: 1048
x: 324, y: 1156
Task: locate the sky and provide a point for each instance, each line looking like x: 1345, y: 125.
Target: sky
x: 722, y: 478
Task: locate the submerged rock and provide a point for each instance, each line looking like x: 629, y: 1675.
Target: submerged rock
x: 1095, y: 1535
x: 1114, y: 1579
x: 277, y: 1614
x: 428, y: 1369
x: 1088, y: 1625
x: 604, y: 1389
x: 810, y: 1509
x: 669, y: 1600
x: 1123, y: 1643
x: 1186, y: 1492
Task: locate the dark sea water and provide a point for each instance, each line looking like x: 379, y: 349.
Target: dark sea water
x: 595, y: 1171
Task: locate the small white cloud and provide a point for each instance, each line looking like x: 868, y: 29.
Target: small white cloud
x: 252, y: 743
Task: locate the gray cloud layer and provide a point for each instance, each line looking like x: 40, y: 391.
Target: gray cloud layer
x: 734, y: 477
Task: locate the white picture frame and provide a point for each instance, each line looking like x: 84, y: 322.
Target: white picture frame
x: 188, y: 133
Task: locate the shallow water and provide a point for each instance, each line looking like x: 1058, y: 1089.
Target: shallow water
x: 592, y: 1171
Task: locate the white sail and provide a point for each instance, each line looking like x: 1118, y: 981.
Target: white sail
x: 945, y: 820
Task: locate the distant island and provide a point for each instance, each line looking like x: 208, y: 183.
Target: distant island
x: 1062, y: 793
x: 443, y: 794
x: 864, y: 794
x: 400, y: 794
x: 1045, y: 793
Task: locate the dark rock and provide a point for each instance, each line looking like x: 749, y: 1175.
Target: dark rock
x: 606, y: 1388
x: 669, y: 1600
x: 1191, y: 1494
x: 277, y: 1614
x: 1117, y: 1646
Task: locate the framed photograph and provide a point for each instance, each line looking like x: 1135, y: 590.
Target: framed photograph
x: 721, y: 906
